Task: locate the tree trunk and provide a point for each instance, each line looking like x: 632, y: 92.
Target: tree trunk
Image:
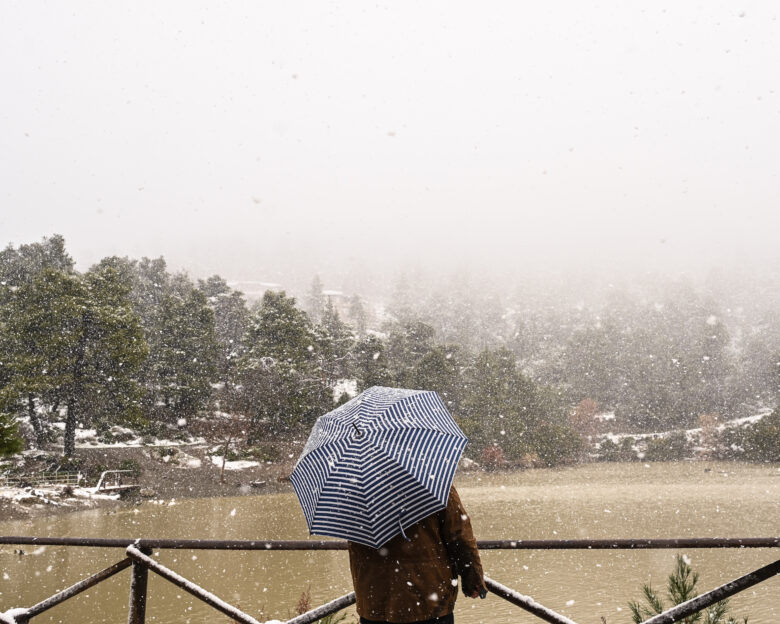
x: 76, y: 389
x: 35, y: 421
x: 70, y: 430
x: 224, y: 459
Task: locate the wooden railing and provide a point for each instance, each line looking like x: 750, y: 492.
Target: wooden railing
x: 138, y: 557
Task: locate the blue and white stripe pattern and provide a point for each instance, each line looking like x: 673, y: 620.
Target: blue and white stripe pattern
x: 378, y: 464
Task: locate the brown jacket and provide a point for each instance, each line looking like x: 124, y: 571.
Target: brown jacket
x: 406, y: 581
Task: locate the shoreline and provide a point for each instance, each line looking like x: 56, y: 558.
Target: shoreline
x: 166, y: 469
x: 160, y: 476
x: 163, y: 480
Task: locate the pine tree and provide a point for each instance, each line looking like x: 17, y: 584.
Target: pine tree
x: 681, y: 587
x: 76, y: 343
x: 492, y: 406
x: 502, y: 407
x: 282, y: 385
x: 357, y: 314
x: 116, y: 351
x: 151, y: 283
x: 20, y: 266
x: 407, y: 344
x: 25, y: 346
x: 763, y: 439
x: 315, y: 300
x: 334, y: 344
x: 279, y: 330
x: 184, y: 352
x: 371, y: 364
x: 10, y: 440
x: 231, y: 320
x: 439, y: 370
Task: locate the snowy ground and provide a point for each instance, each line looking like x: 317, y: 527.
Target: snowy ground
x: 168, y: 468
x: 240, y: 464
x: 690, y: 433
x: 57, y: 497
x: 129, y: 438
x: 693, y: 435
x: 30, y: 499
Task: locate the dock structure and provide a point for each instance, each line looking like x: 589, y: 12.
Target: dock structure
x: 138, y: 551
x: 110, y: 482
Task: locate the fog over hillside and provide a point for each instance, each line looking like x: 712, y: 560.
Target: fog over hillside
x: 559, y: 142
x: 585, y: 196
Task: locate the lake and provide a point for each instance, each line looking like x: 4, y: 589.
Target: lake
x: 678, y: 499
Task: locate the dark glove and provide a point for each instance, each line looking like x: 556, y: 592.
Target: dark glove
x: 472, y: 583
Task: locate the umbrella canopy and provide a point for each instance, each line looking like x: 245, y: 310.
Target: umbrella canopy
x: 378, y: 464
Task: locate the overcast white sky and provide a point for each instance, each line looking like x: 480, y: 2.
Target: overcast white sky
x: 243, y: 137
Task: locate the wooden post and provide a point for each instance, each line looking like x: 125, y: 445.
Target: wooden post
x: 138, y: 583
x: 210, y: 599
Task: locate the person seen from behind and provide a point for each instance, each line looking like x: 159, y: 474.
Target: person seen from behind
x: 413, y: 578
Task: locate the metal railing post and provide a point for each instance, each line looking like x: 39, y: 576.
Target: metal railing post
x: 139, y: 580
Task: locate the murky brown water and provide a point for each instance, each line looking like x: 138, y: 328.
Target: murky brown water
x: 597, y: 501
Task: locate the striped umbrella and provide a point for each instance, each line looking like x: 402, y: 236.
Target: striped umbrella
x: 377, y: 464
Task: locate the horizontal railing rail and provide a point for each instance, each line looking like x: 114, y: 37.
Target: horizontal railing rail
x: 138, y: 556
x: 586, y: 544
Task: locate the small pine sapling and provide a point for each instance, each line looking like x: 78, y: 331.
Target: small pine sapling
x: 680, y: 587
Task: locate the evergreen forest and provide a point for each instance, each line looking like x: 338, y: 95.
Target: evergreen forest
x: 532, y: 376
